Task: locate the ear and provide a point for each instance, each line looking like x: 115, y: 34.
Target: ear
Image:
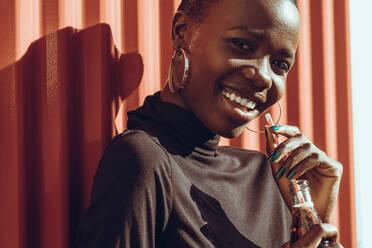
x: 181, y: 27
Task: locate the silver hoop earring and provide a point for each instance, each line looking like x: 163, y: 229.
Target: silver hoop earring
x: 276, y: 123
x: 178, y: 55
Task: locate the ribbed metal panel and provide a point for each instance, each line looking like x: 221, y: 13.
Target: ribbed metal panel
x: 64, y: 95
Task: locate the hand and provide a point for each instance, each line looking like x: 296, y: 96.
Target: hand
x: 298, y: 157
x: 313, y: 237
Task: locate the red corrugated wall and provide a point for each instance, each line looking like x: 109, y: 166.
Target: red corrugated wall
x: 67, y: 80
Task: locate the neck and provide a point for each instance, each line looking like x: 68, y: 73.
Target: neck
x: 175, y: 98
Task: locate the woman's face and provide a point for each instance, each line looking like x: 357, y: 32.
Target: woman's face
x: 241, y: 52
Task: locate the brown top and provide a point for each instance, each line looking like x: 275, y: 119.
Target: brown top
x: 165, y: 182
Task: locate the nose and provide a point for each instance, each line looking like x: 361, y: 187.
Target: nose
x: 259, y: 71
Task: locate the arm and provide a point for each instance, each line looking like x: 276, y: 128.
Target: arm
x: 131, y: 196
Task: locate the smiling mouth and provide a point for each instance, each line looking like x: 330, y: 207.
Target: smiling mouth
x: 238, y: 100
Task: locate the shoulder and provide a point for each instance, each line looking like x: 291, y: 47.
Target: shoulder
x: 132, y: 157
x: 137, y: 145
x: 133, y: 152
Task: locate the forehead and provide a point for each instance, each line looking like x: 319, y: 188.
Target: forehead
x: 272, y: 18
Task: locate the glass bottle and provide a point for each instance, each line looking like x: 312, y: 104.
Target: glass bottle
x: 304, y: 215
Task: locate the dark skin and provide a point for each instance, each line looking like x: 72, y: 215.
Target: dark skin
x: 247, y: 52
x: 248, y: 47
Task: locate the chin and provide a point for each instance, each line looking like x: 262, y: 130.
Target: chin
x: 231, y: 133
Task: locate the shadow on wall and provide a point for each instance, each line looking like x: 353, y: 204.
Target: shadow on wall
x: 61, y: 99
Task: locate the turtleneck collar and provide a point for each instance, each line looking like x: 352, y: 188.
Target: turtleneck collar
x: 179, y: 123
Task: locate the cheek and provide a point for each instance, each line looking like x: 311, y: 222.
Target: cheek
x: 209, y: 59
x: 281, y: 88
x: 209, y: 69
x: 277, y: 90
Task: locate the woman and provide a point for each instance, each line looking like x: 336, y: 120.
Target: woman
x: 165, y: 182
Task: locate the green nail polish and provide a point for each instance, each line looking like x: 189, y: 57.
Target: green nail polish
x: 281, y: 172
x: 275, y: 155
x: 269, y: 157
x: 291, y: 174
x: 275, y: 128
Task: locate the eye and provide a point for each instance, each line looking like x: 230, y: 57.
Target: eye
x: 243, y: 45
x: 281, y: 64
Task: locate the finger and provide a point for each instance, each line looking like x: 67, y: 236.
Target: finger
x: 285, y: 130
x: 314, y: 236
x: 270, y: 142
x: 295, y: 157
x: 305, y: 165
x: 288, y: 146
x: 326, y: 231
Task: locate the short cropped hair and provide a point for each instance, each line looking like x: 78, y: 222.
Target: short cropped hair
x: 197, y: 9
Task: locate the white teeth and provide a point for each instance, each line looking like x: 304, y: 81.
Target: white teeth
x: 242, y: 101
x: 253, y: 105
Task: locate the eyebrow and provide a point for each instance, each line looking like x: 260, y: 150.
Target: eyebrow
x: 287, y: 53
x: 260, y: 36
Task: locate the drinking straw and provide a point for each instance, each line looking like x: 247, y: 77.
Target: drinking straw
x: 270, y: 122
